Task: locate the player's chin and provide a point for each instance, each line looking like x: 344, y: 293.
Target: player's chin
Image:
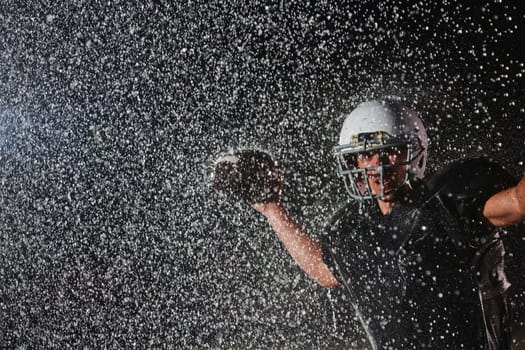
x: 390, y: 193
x: 389, y: 197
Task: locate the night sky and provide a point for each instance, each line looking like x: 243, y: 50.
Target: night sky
x: 112, y: 113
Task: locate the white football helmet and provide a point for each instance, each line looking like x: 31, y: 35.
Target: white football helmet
x: 380, y: 126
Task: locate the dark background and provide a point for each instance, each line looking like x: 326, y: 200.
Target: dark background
x: 111, y: 114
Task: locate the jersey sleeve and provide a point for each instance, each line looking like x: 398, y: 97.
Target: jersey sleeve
x: 464, y: 188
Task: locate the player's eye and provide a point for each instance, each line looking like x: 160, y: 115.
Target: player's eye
x: 366, y: 155
x: 390, y: 152
x: 396, y: 152
x: 350, y: 160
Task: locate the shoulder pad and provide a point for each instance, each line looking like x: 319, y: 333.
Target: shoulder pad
x: 468, y: 183
x: 469, y: 175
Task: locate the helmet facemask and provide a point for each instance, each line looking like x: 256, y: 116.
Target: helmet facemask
x: 393, y: 154
x: 378, y: 126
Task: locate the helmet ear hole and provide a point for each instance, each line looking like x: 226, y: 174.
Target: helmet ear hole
x: 421, y: 162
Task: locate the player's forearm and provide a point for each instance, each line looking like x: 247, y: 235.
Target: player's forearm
x: 305, y: 250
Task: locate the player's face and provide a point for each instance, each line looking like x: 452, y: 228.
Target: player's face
x: 393, y: 177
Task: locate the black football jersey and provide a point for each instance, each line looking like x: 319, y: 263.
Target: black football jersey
x: 417, y: 277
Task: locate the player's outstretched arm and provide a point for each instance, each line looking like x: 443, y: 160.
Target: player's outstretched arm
x: 305, y: 250
x: 251, y: 176
x: 506, y: 207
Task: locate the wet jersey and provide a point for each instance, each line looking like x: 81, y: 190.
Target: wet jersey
x: 421, y: 277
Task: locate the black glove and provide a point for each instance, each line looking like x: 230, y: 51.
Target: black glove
x: 247, y: 175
